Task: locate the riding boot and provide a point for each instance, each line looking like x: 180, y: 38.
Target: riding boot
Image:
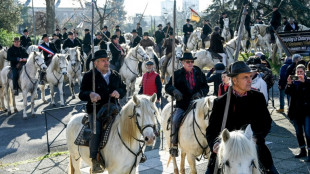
x: 272, y: 170
x: 96, y: 167
x: 211, y: 163
x: 140, y: 68
x: 42, y: 75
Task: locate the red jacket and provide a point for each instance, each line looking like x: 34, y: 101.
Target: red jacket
x: 148, y: 82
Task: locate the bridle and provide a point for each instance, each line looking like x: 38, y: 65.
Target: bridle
x: 39, y: 65
x: 77, y: 63
x: 227, y: 164
x: 144, y: 55
x: 60, y: 72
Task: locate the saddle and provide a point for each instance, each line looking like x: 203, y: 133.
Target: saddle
x: 215, y: 55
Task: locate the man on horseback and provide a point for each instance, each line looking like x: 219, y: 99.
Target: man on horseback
x: 98, y: 41
x: 122, y: 39
x: 17, y: 55
x: 187, y: 30
x: 216, y: 45
x: 87, y: 42
x: 190, y: 83
x: 135, y: 40
x: 65, y: 34
x: 146, y: 42
x: 246, y: 106
x: 275, y: 22
x: 109, y: 86
x: 49, y: 50
x: 168, y: 29
x: 168, y: 45
x: 139, y: 29
x: 118, y: 53
x: 206, y: 30
x: 221, y: 20
x: 58, y: 34
x: 106, y: 33
x: 25, y: 39
x: 70, y: 42
x: 57, y: 42
x: 159, y: 37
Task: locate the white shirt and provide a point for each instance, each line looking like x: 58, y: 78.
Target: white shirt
x: 106, y: 76
x: 47, y: 43
x: 260, y: 85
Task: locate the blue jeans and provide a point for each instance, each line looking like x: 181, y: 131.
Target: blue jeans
x: 175, y: 124
x: 302, y: 126
x: 282, y: 95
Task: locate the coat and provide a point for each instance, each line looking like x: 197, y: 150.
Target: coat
x: 216, y: 78
x: 102, y: 89
x: 57, y: 44
x: 216, y: 44
x: 15, y: 53
x: 159, y: 36
x: 276, y: 19
x: 182, y: 85
x: 135, y: 42
x: 103, y: 45
x: 87, y: 43
x: 25, y: 41
x: 289, y: 28
x: 139, y: 31
x: 168, y: 45
x: 147, y: 43
x: 250, y: 109
x: 108, y: 34
x: 221, y: 22
x: 300, y: 99
x: 206, y: 30
x: 59, y: 36
x: 70, y: 44
x: 122, y: 40
x: 65, y: 36
x: 51, y: 47
x: 282, y: 77
x: 116, y: 53
x: 187, y: 29
x: 166, y: 28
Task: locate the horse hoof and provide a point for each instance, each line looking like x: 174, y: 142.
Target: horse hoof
x: 25, y: 117
x: 15, y: 110
x: 9, y: 113
x: 73, y: 97
x: 45, y: 102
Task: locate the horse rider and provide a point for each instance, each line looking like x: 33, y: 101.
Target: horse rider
x: 49, y: 50
x: 216, y: 44
x: 259, y: 21
x: 17, y: 55
x: 108, y: 85
x: 221, y: 20
x: 275, y: 22
x: 247, y: 23
x: 135, y: 40
x: 117, y: 27
x: 122, y: 39
x: 139, y: 29
x: 159, y: 38
x: 167, y: 29
x: 190, y: 84
x: 106, y: 33
x: 206, y: 30
x: 151, y: 83
x: 118, y: 53
x: 98, y: 41
x: 146, y: 42
x: 246, y: 107
x: 64, y: 34
x: 87, y: 42
x: 187, y: 30
x: 58, y: 34
x: 70, y: 42
x: 25, y: 40
x: 57, y: 42
x: 79, y: 41
x: 291, y: 26
x: 168, y: 45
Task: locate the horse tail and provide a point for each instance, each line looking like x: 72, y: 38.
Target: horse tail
x: 71, y: 168
x: 10, y: 96
x: 169, y: 160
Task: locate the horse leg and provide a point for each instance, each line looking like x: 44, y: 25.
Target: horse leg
x: 7, y: 97
x: 2, y: 100
x: 32, y: 102
x: 52, y: 95
x: 25, y: 104
x: 182, y: 164
x: 14, y: 103
x: 61, y: 94
x: 42, y: 88
x: 71, y: 86
x: 192, y: 163
x: 74, y: 165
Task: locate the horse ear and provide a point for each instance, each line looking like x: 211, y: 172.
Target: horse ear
x: 225, y: 135
x: 136, y: 100
x: 153, y: 98
x: 210, y: 102
x: 248, y: 132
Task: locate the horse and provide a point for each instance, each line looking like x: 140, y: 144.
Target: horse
x: 237, y: 152
x: 123, y: 150
x: 128, y: 37
x: 194, y: 40
x: 28, y: 81
x: 74, y: 68
x: 129, y: 69
x: 32, y: 48
x: 303, y: 27
x: 151, y: 53
x: 226, y: 31
x: 261, y: 37
x: 244, y: 38
x: 192, y: 140
x: 55, y: 77
x: 3, y: 63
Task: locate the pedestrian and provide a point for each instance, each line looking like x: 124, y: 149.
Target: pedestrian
x: 282, y: 84
x: 298, y: 87
x: 291, y: 25
x: 291, y: 69
x: 246, y: 107
x: 223, y: 87
x: 258, y: 83
x: 215, y: 76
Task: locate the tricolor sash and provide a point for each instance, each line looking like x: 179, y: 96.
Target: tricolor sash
x: 46, y: 49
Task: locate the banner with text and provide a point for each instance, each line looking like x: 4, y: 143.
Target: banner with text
x: 297, y: 42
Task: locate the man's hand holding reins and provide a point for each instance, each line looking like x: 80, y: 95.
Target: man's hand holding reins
x: 94, y: 97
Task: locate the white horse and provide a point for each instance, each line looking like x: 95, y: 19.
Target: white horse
x: 137, y: 118
x: 74, y: 68
x: 151, y: 53
x: 28, y: 81
x: 128, y: 37
x: 129, y: 69
x: 192, y: 141
x: 3, y: 63
x: 237, y: 152
x: 55, y: 77
x: 303, y: 27
x: 226, y: 31
x: 32, y: 48
x: 194, y: 40
x: 260, y: 37
x: 244, y: 38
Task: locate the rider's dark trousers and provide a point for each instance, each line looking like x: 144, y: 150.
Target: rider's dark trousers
x: 175, y: 125
x: 95, y: 138
x: 264, y: 157
x: 15, y: 77
x: 186, y: 36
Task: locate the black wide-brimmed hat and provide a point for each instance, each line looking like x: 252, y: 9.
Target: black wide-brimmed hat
x: 149, y: 63
x: 146, y: 34
x: 159, y: 25
x: 70, y: 33
x: 238, y: 68
x: 187, y: 56
x: 86, y: 29
x: 44, y: 35
x: 134, y: 31
x: 188, y: 20
x: 25, y: 30
x: 100, y: 54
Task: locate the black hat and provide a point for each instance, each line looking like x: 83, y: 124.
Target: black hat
x: 219, y: 66
x: 114, y: 37
x: 54, y: 34
x: 117, y: 26
x: 146, y: 34
x: 238, y: 68
x: 275, y: 6
x: 149, y: 63
x: 134, y: 31
x: 168, y: 23
x: 100, y: 54
x: 25, y: 30
x: 64, y: 28
x: 171, y: 33
x: 16, y: 39
x: 187, y: 20
x: 159, y: 25
x: 105, y: 27
x: 98, y: 33
x: 70, y: 33
x: 57, y: 29
x: 117, y: 30
x: 44, y: 35
x: 86, y: 29
x: 187, y: 56
x: 217, y: 28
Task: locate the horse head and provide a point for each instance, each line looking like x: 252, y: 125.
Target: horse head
x: 198, y: 34
x: 140, y: 53
x: 62, y: 63
x: 38, y: 60
x: 178, y: 51
x: 74, y: 56
x: 254, y: 32
x: 150, y: 52
x: 237, y: 152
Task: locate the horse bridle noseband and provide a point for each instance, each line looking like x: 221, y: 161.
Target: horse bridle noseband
x: 142, y: 55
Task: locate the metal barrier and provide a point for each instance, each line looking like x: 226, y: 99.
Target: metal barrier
x: 47, y: 113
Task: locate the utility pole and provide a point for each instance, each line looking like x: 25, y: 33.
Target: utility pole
x: 34, y: 25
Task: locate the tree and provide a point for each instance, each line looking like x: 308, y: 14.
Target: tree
x: 10, y: 15
x: 50, y: 16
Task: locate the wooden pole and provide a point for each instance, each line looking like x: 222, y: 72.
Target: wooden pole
x: 93, y: 71
x: 240, y: 32
x: 143, y: 13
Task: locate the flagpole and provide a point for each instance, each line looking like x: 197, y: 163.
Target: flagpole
x: 93, y: 71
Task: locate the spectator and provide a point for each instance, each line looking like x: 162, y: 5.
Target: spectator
x: 282, y: 83
x: 299, y: 113
x: 258, y: 83
x: 291, y: 68
x: 216, y: 77
x: 223, y: 87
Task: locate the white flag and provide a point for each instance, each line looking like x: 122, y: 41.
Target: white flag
x: 80, y: 25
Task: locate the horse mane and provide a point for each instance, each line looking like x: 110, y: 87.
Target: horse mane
x: 31, y: 56
x: 78, y: 54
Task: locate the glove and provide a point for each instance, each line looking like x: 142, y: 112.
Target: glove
x: 196, y: 96
x: 177, y: 94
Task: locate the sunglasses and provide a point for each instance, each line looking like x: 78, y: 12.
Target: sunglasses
x: 189, y: 61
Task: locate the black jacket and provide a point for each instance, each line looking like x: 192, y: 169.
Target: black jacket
x: 122, y: 40
x: 103, y: 45
x: 159, y: 36
x: 216, y: 44
x: 69, y: 44
x: 139, y: 31
x: 25, y: 42
x: 15, y: 53
x: 87, y: 43
x: 276, y: 19
x: 300, y: 99
x: 59, y: 36
x: 289, y: 28
x: 182, y: 85
x: 206, y: 30
x: 221, y: 22
x: 102, y: 89
x: 116, y: 53
x: 247, y: 20
x: 250, y: 109
x: 166, y: 28
x: 57, y: 44
x: 135, y: 42
x: 216, y: 78
x: 108, y: 34
x: 187, y: 28
x: 51, y: 47
x: 65, y: 36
